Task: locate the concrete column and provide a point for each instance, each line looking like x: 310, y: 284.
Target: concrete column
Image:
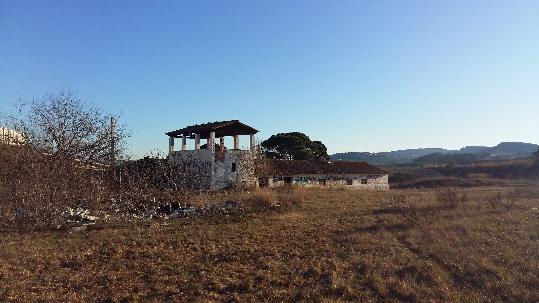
x: 170, y: 145
x: 197, y: 141
x: 236, y: 142
x: 211, y: 141
x: 253, y: 143
x: 222, y: 143
x: 184, y: 142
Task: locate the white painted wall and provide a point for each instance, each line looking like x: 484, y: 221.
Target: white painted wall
x: 244, y: 176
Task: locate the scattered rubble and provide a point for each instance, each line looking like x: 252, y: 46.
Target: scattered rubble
x: 21, y: 213
x: 173, y: 210
x: 176, y: 210
x: 79, y: 218
x: 79, y: 228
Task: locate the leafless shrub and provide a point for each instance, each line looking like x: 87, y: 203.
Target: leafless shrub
x: 510, y: 202
x: 141, y: 185
x: 450, y: 198
x: 60, y: 162
x: 529, y: 192
x: 411, y: 210
x: 495, y: 200
x: 505, y: 201
x: 260, y: 199
x: 292, y: 197
x: 37, y: 189
x: 263, y: 199
x: 397, y: 199
x: 63, y: 126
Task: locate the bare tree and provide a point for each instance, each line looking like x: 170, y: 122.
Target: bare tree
x: 63, y: 126
x: 55, y: 165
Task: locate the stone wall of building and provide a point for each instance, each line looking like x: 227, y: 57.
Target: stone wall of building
x: 193, y: 168
x: 214, y: 170
x: 234, y: 168
x: 380, y: 183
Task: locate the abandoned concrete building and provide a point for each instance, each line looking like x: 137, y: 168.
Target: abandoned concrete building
x: 213, y: 167
x: 313, y: 173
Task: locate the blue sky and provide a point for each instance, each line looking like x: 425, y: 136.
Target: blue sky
x: 358, y: 75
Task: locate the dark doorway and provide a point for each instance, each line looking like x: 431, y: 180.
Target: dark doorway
x: 263, y: 182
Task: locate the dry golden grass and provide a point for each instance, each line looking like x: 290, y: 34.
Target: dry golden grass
x: 334, y: 246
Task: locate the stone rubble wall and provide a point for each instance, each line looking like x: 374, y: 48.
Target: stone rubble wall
x: 193, y: 168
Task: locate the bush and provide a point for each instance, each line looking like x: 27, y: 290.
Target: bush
x: 399, y: 177
x: 292, y: 197
x: 506, y: 201
x: 450, y: 198
x: 37, y: 189
x: 260, y: 199
x: 397, y: 200
x: 263, y: 199
x: 64, y: 126
x: 437, y: 182
x: 411, y: 210
x: 59, y: 163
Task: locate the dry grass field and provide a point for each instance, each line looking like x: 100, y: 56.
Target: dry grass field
x: 469, y: 245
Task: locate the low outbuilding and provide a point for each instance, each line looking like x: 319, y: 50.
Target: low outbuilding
x: 314, y: 173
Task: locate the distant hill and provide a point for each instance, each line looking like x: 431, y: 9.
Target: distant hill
x: 504, y: 150
x: 513, y: 150
x: 456, y: 158
x: 473, y: 149
x: 385, y: 158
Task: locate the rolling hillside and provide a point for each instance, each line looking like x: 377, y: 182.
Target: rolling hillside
x: 504, y: 150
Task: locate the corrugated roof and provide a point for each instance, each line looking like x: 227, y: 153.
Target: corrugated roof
x: 221, y: 129
x: 313, y: 167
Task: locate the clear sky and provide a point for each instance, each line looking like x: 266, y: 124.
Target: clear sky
x: 358, y: 75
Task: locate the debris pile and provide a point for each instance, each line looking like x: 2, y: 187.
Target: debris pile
x: 176, y: 210
x: 126, y: 211
x: 79, y: 215
x: 80, y: 218
x: 173, y: 210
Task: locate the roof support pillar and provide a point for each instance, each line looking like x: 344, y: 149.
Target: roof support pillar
x: 222, y: 144
x: 211, y: 141
x: 253, y: 143
x: 184, y: 142
x: 197, y: 141
x: 236, y: 142
x: 170, y: 145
